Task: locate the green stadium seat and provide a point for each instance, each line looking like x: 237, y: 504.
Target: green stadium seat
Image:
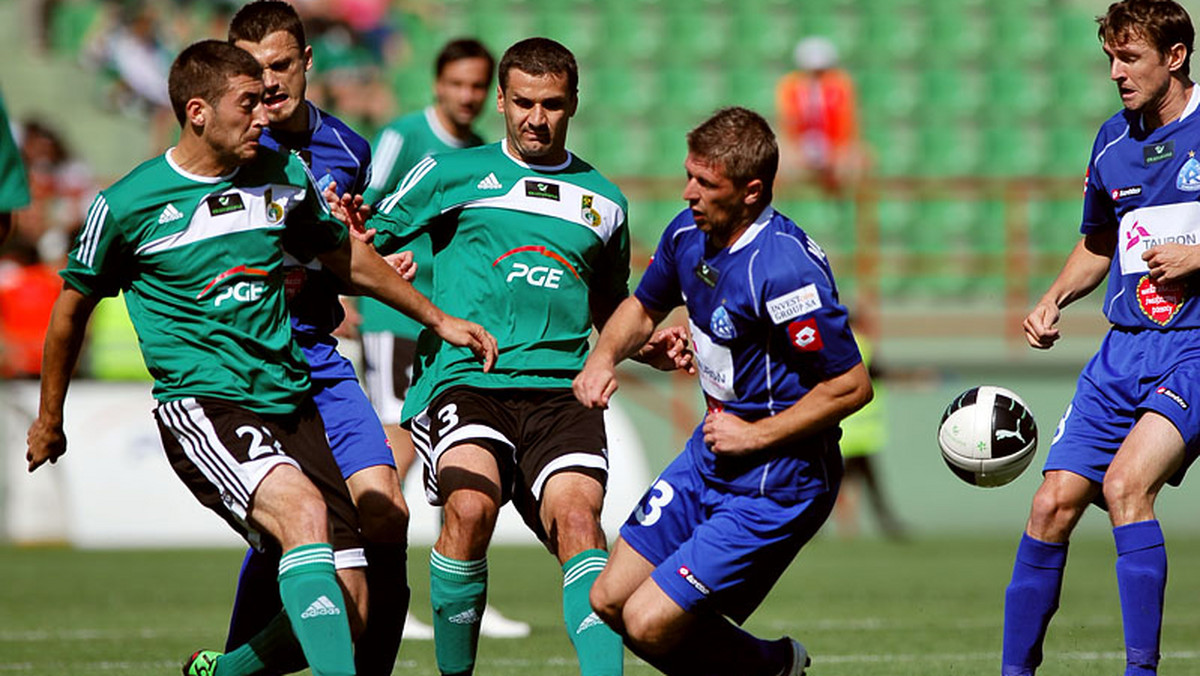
x: 690, y: 92
x: 1020, y: 36
x: 1011, y: 149
x: 763, y: 33
x: 579, y: 28
x: 695, y: 33
x: 1054, y: 225
x: 948, y: 149
x: 950, y: 93
x: 954, y: 33
x: 632, y: 34
x: 894, y: 148
x: 752, y: 87
x: 1068, y: 148
x: 891, y: 35
x: 1017, y: 93
x: 887, y: 94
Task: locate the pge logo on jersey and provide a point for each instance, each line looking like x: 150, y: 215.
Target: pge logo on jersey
x: 547, y: 276
x: 243, y: 291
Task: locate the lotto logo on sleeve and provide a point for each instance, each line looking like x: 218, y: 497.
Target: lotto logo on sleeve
x: 805, y: 335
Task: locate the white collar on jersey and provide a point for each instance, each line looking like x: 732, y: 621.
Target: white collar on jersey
x: 537, y: 167
x: 196, y: 177
x: 443, y: 134
x: 756, y: 227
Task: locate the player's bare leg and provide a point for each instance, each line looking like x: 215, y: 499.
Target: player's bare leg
x: 383, y: 517
x: 570, y: 513
x: 469, y: 478
x: 1153, y: 451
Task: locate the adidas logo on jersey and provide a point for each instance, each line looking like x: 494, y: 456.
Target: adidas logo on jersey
x: 468, y: 616
x: 590, y: 621
x: 169, y: 214
x: 490, y: 183
x: 322, y: 606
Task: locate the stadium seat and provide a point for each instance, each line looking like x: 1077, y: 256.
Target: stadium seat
x: 1016, y: 94
x: 948, y: 149
x: 891, y: 35
x: 893, y: 147
x: 1022, y: 38
x: 954, y: 33
x: 949, y: 93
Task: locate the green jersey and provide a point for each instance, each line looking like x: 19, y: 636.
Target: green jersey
x: 200, y: 260
x: 517, y: 248
x: 14, y: 187
x: 401, y: 144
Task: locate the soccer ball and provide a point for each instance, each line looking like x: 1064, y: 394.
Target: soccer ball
x: 987, y: 436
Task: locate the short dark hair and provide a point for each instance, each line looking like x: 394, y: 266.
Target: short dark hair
x: 203, y: 70
x: 540, y: 56
x: 741, y: 142
x: 258, y: 19
x: 1163, y: 23
x: 463, y: 48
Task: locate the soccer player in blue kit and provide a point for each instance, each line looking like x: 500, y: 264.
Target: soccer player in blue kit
x: 1133, y: 423
x: 273, y: 33
x: 779, y: 368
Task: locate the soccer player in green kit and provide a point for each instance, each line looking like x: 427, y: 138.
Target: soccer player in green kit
x: 526, y: 235
x: 196, y: 239
x: 14, y: 186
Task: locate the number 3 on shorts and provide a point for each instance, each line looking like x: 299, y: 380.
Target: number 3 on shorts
x: 661, y: 494
x: 449, y: 417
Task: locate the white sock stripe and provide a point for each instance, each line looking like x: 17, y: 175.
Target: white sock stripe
x: 291, y: 564
x: 320, y: 554
x: 583, y: 569
x: 449, y: 565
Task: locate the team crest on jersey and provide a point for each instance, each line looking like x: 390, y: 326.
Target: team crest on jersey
x: 1189, y: 176
x: 588, y: 212
x: 1160, y: 302
x: 722, y: 324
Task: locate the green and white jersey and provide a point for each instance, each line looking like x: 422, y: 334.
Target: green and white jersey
x: 200, y: 260
x: 14, y: 187
x: 404, y: 142
x: 517, y: 248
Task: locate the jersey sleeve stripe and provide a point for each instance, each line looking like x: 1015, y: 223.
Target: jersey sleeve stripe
x: 351, y: 155
x: 90, y: 238
x: 414, y: 177
x: 390, y: 144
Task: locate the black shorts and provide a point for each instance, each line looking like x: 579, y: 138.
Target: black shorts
x: 533, y: 434
x: 387, y: 373
x: 222, y: 452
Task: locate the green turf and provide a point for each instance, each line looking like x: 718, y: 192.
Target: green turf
x: 867, y: 608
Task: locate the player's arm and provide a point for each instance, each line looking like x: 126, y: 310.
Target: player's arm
x: 64, y: 340
x: 623, y: 335
x: 359, y: 266
x: 824, y: 406
x: 1082, y: 272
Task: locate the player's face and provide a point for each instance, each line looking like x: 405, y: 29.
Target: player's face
x: 284, y: 76
x: 536, y: 111
x: 719, y: 206
x: 233, y: 125
x: 462, y: 89
x: 1140, y: 71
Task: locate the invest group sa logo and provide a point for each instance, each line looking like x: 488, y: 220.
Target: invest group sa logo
x: 545, y: 276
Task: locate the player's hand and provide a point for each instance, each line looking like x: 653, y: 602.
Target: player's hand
x: 350, y: 210
x: 46, y: 441
x: 404, y: 265
x: 729, y: 435
x: 1040, y: 326
x: 1171, y: 262
x: 462, y: 333
x: 667, y: 350
x: 595, y: 384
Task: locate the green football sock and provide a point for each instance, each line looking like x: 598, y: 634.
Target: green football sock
x: 598, y: 646
x: 274, y: 647
x: 316, y: 610
x: 458, y: 592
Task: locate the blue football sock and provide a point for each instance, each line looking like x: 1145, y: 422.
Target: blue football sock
x: 1142, y: 581
x: 1030, y: 602
x: 257, y: 600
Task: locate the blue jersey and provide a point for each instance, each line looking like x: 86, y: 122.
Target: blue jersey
x: 334, y: 153
x: 766, y: 328
x: 1147, y: 186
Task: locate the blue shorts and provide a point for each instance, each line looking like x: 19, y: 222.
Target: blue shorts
x: 1133, y: 372
x: 719, y: 551
x: 355, y: 433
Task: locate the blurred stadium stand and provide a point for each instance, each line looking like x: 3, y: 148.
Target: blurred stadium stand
x: 979, y: 114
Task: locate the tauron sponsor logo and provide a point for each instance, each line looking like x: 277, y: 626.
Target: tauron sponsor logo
x: 1131, y: 191
x: 1173, y: 397
x: 541, y: 190
x: 686, y: 574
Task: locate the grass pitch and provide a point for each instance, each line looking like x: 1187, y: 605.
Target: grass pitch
x: 867, y: 608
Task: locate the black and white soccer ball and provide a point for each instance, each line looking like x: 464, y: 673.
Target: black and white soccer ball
x: 988, y: 436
